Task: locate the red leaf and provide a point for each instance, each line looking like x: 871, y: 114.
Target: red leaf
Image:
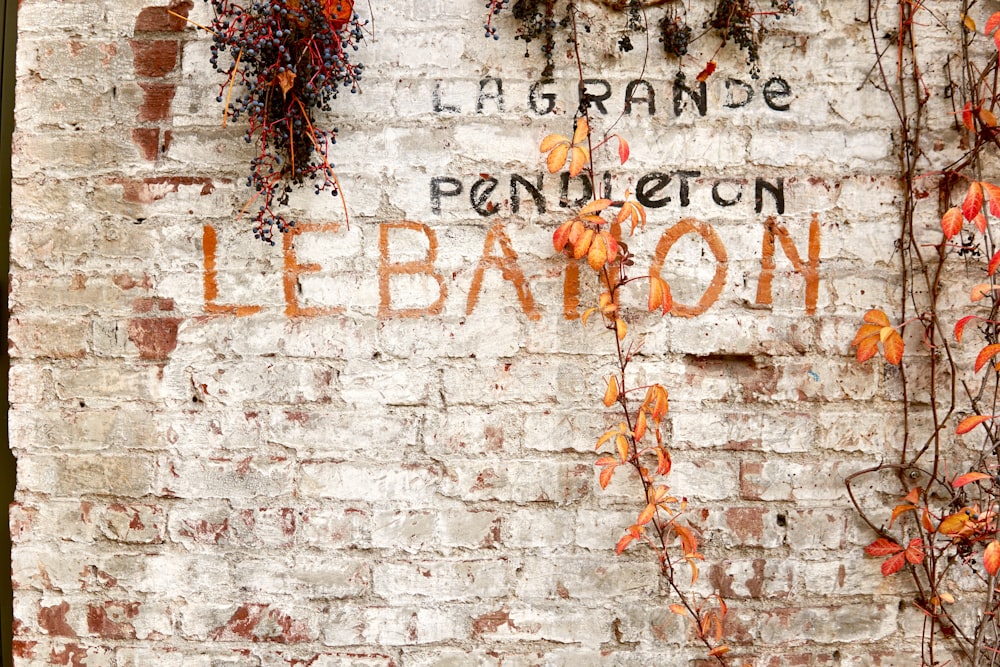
x: 883, y: 547
x: 623, y: 151
x: 992, y: 23
x: 991, y: 558
x: 967, y: 120
x: 707, y: 72
x: 915, y: 551
x: 973, y: 201
x: 951, y: 223
x: 980, y: 222
x: 994, y: 263
x: 339, y: 12
x: 969, y: 477
x: 993, y: 194
x: 960, y: 325
x: 623, y: 542
x: 893, y: 565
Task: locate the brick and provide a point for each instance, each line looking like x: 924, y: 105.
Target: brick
x: 443, y: 579
x: 518, y: 481
x: 358, y: 482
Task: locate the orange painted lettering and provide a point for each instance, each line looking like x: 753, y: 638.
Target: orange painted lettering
x: 509, y: 269
x: 293, y: 270
x: 210, y: 278
x: 809, y: 270
x: 387, y: 269
x: 706, y: 232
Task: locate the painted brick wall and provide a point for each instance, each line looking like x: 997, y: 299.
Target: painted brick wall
x: 374, y: 446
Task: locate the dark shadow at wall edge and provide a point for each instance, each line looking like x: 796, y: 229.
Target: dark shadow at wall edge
x: 7, y: 466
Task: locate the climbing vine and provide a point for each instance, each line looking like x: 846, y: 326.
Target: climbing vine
x: 942, y: 528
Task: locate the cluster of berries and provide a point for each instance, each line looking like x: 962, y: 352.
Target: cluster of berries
x: 289, y: 59
x: 675, y: 35
x: 537, y: 21
x: 734, y: 20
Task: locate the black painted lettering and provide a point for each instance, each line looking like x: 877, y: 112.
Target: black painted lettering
x: 588, y: 190
x: 479, y: 196
x: 536, y: 95
x: 587, y: 97
x: 700, y: 98
x: 738, y: 94
x: 649, y: 186
x: 649, y: 99
x: 777, y: 190
x: 484, y: 94
x: 732, y: 200
x: 438, y: 106
x: 606, y: 185
x: 685, y: 191
x: 533, y: 189
x: 438, y: 190
x: 775, y: 90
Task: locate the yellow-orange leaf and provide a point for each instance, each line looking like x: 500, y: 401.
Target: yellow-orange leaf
x: 953, y: 523
x: 688, y: 542
x: 913, y: 496
x: 968, y: 478
x: 991, y: 558
x: 970, y: 423
x: 621, y: 329
x: 582, y: 245
x: 968, y: 22
x: 595, y: 206
x: 286, y: 80
x: 611, y: 393
x: 606, y: 436
x: 718, y: 650
x: 640, y: 426
x: 892, y: 346
x: 622, y: 444
x: 557, y: 158
x: 582, y: 130
x: 865, y: 331
x: 988, y: 118
x: 598, y: 254
x: 578, y: 160
x: 560, y: 238
x: 586, y: 315
x: 878, y: 317
x: 678, y: 609
x: 985, y: 355
x: 550, y: 142
x: 925, y: 521
x: 980, y: 291
x: 951, y: 222
x: 647, y: 514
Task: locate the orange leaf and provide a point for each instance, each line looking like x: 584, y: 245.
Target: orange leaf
x: 867, y: 349
x: 970, y: 423
x: 640, y: 426
x: 606, y: 436
x: 578, y: 160
x: 606, y: 475
x: 286, y: 80
x: 969, y: 477
x: 663, y: 461
x: 951, y: 223
x: 678, y: 609
x: 878, y: 317
x: 557, y: 158
x: 560, y: 239
x: 624, y: 542
x: 882, y: 547
x: 623, y: 151
x: 954, y: 523
x: 898, y: 510
x: 621, y: 328
x: 993, y: 194
x: 893, y: 564
x: 688, y: 542
x: 961, y: 324
x: 339, y: 12
x: 969, y: 22
x: 622, y: 444
x: 980, y: 291
x: 980, y: 222
x: 598, y: 254
x: 611, y: 393
x: 985, y: 355
x: 913, y: 496
x: 925, y: 521
x: 973, y: 199
x: 581, y: 132
x: 865, y: 331
x: 992, y: 23
x: 994, y: 263
x: 718, y: 650
x: 892, y: 346
x: 595, y: 206
x: 989, y: 120
x: 581, y: 246
x: 646, y: 515
x: 550, y: 142
x: 991, y: 558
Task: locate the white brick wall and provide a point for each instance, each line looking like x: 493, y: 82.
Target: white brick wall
x: 203, y: 485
